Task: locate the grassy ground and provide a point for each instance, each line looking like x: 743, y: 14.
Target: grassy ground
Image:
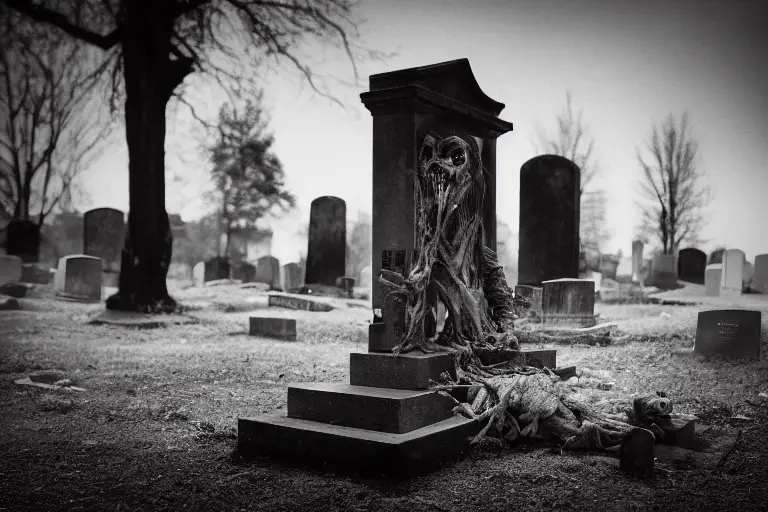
x: 155, y: 428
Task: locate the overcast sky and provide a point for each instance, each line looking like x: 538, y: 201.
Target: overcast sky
x: 628, y: 64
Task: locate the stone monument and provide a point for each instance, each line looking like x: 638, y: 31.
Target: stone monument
x: 103, y: 234
x: 691, y: 264
x: 386, y: 419
x: 327, y: 241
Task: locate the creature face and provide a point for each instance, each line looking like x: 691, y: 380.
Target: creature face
x: 448, y: 160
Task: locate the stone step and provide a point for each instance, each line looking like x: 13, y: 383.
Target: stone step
x: 395, y: 411
x: 415, y: 452
x: 412, y: 370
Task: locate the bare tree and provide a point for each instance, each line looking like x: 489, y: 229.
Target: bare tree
x: 51, y: 129
x: 671, y: 186
x: 152, y: 46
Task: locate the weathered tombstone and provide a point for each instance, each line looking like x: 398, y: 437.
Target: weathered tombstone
x: 198, y: 274
x: 216, y: 268
x: 10, y: 269
x: 637, y: 262
x: 609, y: 266
x: 268, y: 271
x: 549, y: 220
x: 103, y: 233
x: 327, y: 241
x: 366, y: 277
x: 691, y: 264
x: 568, y: 302
x: 715, y: 256
x: 23, y: 240
x: 421, y: 431
x: 733, y: 270
x: 78, y: 277
x: 664, y: 271
x: 245, y: 272
x: 291, y: 276
x: 729, y: 333
x: 280, y: 328
x: 760, y: 274
x: 533, y: 294
x: 712, y: 276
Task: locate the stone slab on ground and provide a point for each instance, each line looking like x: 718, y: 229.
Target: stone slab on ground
x: 139, y: 320
x: 396, y: 411
x: 26, y: 381
x: 412, y: 370
x: 279, y: 328
x: 298, y: 302
x: 407, y: 454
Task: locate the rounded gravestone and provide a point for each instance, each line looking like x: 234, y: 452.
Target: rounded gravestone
x: 326, y: 246
x: 268, y: 271
x: 103, y: 232
x: 23, y: 240
x: 549, y: 220
x: 691, y: 264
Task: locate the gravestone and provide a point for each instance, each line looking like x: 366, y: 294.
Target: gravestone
x: 244, y: 272
x: 280, y: 328
x: 10, y: 269
x: 664, y: 271
x: 691, y: 264
x: 23, y: 240
x: 760, y: 274
x: 746, y: 277
x: 715, y: 256
x: 327, y: 241
x: 103, y: 233
x: 292, y: 277
x: 568, y: 302
x: 729, y: 333
x: 609, y: 266
x: 733, y: 271
x: 411, y: 428
x: 216, y: 268
x: 78, y: 277
x: 36, y: 273
x: 198, y: 274
x: 549, y: 220
x: 533, y: 294
x: 712, y: 276
x: 637, y: 262
x: 268, y: 271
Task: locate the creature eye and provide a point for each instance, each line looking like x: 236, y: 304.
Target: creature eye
x: 458, y: 157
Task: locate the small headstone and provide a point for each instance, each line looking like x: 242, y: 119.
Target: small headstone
x: 23, y: 240
x: 103, y: 232
x: 569, y: 302
x: 637, y: 453
x: 280, y: 328
x: 733, y: 271
x: 533, y: 294
x: 691, y: 264
x: 664, y: 271
x: 637, y: 261
x: 78, y: 277
x: 715, y: 256
x: 10, y: 269
x: 216, y: 268
x: 712, y: 276
x: 244, y: 272
x: 268, y: 271
x: 549, y: 220
x: 760, y: 274
x: 327, y: 241
x: 728, y: 332
x: 292, y: 276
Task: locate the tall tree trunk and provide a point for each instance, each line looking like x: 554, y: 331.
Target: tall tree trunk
x: 150, y: 78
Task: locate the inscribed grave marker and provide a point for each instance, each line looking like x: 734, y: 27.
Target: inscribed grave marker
x: 729, y: 333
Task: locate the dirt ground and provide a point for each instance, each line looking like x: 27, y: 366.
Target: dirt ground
x: 155, y: 428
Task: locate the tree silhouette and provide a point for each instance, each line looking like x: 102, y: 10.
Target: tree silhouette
x: 151, y: 46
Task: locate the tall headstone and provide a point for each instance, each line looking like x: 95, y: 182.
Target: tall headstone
x: 549, y: 220
x: 760, y: 274
x: 268, y: 271
x: 327, y: 241
x: 78, y: 277
x: 10, y: 269
x: 733, y: 270
x: 292, y: 276
x: 23, y: 240
x: 637, y: 261
x: 103, y: 233
x: 691, y: 264
x: 415, y: 431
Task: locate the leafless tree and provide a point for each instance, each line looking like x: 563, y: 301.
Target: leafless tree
x: 151, y: 47
x: 673, y: 192
x: 50, y: 127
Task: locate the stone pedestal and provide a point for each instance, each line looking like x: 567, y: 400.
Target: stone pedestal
x: 712, y: 276
x: 569, y: 302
